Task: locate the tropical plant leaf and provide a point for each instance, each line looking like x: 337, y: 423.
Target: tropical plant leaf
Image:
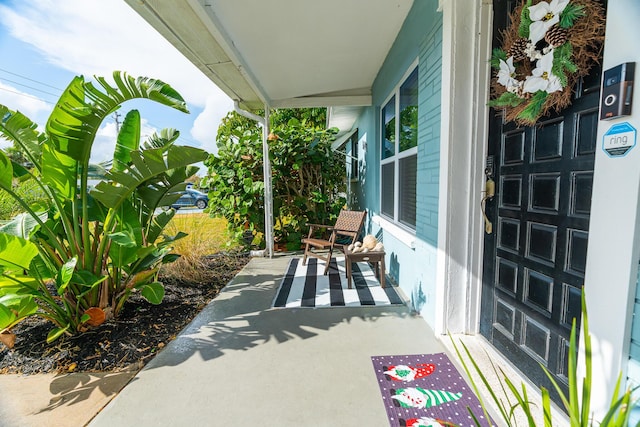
x: 60, y: 172
x: 20, y: 171
x: 546, y: 408
x: 65, y: 274
x: 75, y: 119
x: 7, y: 317
x: 158, y: 224
x: 123, y: 238
x: 165, y: 139
x: 16, y: 252
x: 146, y: 165
x: 17, y: 285
x: 128, y: 140
x: 6, y: 171
x: 22, y: 225
x: 42, y: 269
x: 18, y: 128
x: 153, y: 292
x: 21, y: 305
x: 127, y: 237
x: 141, y: 278
x: 56, y: 333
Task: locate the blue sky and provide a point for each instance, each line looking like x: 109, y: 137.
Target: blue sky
x: 45, y: 43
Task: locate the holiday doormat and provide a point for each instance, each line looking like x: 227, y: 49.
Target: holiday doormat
x: 307, y: 286
x: 423, y: 390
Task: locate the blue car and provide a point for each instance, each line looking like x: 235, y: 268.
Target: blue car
x: 190, y: 198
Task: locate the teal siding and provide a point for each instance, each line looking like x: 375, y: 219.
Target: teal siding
x: 368, y: 193
x: 430, y: 69
x: 414, y: 269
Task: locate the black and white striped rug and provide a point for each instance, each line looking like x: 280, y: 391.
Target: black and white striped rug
x: 306, y: 286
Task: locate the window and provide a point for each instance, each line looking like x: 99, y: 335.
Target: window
x: 353, y: 142
x: 398, y: 165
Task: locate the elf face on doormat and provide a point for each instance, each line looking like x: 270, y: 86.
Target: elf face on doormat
x: 423, y: 390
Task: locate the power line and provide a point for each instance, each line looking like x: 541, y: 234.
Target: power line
x: 182, y: 136
x: 31, y: 87
x: 27, y: 96
x: 32, y: 80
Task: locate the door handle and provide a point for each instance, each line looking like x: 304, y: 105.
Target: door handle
x: 489, y: 193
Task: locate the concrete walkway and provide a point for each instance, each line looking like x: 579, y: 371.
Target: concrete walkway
x: 239, y: 362
x: 242, y: 363
x: 57, y: 400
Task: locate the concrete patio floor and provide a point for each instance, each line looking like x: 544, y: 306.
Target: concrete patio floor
x: 241, y: 362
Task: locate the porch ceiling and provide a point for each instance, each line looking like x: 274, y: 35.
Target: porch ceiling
x: 285, y: 53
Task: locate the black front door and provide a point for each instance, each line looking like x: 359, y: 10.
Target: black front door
x: 534, y: 262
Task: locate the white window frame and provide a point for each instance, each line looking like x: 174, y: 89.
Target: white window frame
x: 398, y: 155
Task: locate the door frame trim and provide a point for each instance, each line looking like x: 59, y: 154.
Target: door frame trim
x: 466, y: 73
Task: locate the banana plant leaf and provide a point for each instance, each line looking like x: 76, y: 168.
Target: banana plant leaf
x: 128, y: 140
x: 146, y: 165
x: 16, y: 127
x: 6, y: 171
x: 76, y: 118
x: 22, y: 225
x: 16, y: 252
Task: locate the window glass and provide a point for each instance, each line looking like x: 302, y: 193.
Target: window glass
x: 399, y: 157
x: 389, y: 128
x: 407, y: 201
x: 409, y: 112
x: 388, y: 189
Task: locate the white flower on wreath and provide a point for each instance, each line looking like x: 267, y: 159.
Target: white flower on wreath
x: 544, y: 15
x: 507, y: 75
x: 534, y: 54
x: 542, y: 78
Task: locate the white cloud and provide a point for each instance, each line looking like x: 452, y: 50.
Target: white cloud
x: 205, y: 126
x: 35, y: 109
x: 98, y: 37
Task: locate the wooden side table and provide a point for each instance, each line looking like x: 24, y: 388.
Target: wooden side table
x: 375, y: 257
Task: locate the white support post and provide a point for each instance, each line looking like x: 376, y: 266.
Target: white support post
x: 266, y: 169
x: 268, y: 193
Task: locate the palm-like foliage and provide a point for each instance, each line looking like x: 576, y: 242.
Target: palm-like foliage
x: 77, y: 259
x: 577, y: 403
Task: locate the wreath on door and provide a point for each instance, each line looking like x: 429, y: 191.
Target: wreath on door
x: 547, y: 48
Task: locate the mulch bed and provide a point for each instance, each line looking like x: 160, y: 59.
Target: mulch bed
x: 128, y: 342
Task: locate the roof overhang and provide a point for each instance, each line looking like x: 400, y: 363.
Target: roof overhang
x: 283, y: 53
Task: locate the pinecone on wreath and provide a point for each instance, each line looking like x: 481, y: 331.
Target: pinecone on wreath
x: 556, y: 35
x: 517, y: 49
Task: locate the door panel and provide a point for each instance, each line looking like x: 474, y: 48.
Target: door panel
x: 534, y: 263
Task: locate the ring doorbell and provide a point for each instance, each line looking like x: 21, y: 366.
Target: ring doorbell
x: 617, y: 91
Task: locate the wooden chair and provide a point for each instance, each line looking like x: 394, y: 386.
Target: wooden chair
x: 347, y: 225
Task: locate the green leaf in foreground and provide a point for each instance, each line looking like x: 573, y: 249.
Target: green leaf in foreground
x: 153, y: 292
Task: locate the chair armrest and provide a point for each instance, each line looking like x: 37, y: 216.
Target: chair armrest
x: 328, y: 227
x: 313, y: 227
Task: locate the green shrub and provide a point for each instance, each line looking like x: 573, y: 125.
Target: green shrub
x: 308, y: 179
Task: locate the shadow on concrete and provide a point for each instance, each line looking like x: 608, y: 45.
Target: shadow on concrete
x: 241, y: 318
x: 70, y: 389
